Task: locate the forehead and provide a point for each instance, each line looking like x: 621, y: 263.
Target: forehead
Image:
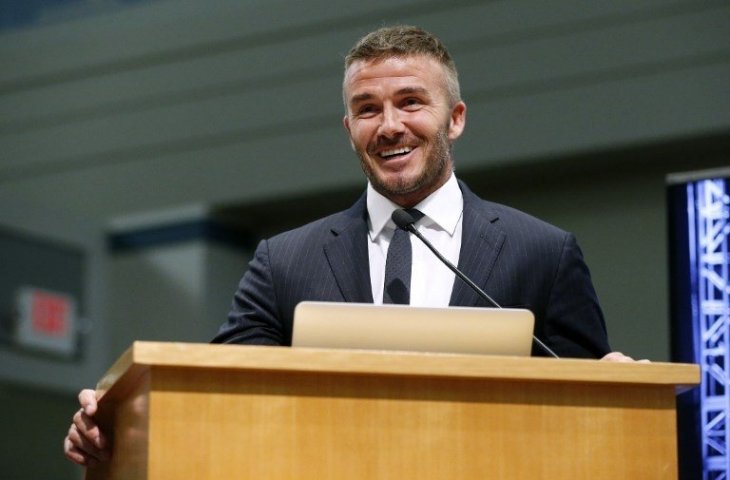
x: 420, y: 70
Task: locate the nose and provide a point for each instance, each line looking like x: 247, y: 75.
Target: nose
x: 391, y: 124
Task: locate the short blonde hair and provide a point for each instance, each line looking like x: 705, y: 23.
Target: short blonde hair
x: 406, y: 41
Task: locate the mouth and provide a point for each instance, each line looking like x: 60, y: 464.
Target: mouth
x: 395, y: 152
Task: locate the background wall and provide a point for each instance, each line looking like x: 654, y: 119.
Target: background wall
x: 113, y: 109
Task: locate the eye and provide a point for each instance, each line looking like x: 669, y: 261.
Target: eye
x: 367, y: 110
x: 411, y: 103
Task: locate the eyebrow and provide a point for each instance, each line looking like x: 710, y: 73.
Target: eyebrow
x: 362, y: 97
x: 412, y: 90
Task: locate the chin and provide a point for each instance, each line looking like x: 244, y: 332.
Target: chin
x: 396, y: 187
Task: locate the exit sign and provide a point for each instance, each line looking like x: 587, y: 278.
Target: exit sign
x: 46, y: 321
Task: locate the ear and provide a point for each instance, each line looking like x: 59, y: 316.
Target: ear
x: 457, y: 121
x: 346, y: 124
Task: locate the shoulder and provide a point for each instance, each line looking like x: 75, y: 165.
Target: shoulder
x: 322, y: 229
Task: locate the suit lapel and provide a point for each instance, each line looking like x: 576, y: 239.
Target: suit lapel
x: 481, y: 244
x: 347, y: 251
x: 347, y: 254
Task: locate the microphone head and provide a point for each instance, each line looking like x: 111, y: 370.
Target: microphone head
x: 403, y: 219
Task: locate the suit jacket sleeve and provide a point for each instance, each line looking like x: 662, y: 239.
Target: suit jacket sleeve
x: 524, y: 262
x: 574, y: 325
x: 254, y: 318
x: 325, y: 260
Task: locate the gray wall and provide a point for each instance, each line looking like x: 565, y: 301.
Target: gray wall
x: 208, y: 98
x: 37, y: 392
x: 179, y: 292
x: 577, y: 110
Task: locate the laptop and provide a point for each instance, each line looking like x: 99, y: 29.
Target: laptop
x: 486, y: 331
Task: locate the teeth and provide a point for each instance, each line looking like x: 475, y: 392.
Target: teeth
x: 397, y: 151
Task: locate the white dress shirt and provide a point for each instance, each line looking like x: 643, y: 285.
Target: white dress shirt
x: 431, y: 280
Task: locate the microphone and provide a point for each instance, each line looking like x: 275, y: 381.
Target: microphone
x: 404, y: 220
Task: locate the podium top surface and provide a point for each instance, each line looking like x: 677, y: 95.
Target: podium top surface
x: 142, y: 356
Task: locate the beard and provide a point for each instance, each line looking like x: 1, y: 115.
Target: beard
x: 434, y: 170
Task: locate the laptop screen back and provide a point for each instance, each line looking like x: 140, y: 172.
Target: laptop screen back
x: 425, y: 329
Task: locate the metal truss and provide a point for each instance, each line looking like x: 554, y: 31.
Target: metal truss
x: 710, y: 254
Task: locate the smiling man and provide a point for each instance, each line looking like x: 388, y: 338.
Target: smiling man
x: 403, y: 114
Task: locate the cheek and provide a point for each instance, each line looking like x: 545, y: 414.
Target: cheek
x: 426, y: 126
x: 360, y: 135
x: 357, y: 141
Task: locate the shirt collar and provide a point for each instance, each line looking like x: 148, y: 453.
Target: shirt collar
x: 442, y: 208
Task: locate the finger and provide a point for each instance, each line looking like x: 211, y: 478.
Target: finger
x: 78, y: 446
x: 87, y: 400
x: 617, y: 357
x: 86, y: 447
x: 77, y: 455
x: 81, y: 458
x: 83, y: 444
x: 88, y: 428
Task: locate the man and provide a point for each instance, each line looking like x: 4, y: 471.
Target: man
x: 403, y: 114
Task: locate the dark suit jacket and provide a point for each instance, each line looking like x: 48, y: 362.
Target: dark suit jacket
x: 519, y: 260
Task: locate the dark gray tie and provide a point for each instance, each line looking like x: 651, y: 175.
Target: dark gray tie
x: 397, y: 286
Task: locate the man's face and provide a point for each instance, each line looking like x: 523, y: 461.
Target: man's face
x: 401, y: 125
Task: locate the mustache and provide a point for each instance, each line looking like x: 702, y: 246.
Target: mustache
x: 403, y: 141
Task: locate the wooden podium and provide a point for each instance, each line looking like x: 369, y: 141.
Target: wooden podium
x: 198, y: 411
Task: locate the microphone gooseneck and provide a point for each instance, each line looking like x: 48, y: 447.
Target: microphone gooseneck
x: 404, y: 220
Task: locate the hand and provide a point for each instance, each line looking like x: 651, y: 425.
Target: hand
x: 620, y: 357
x: 85, y: 444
